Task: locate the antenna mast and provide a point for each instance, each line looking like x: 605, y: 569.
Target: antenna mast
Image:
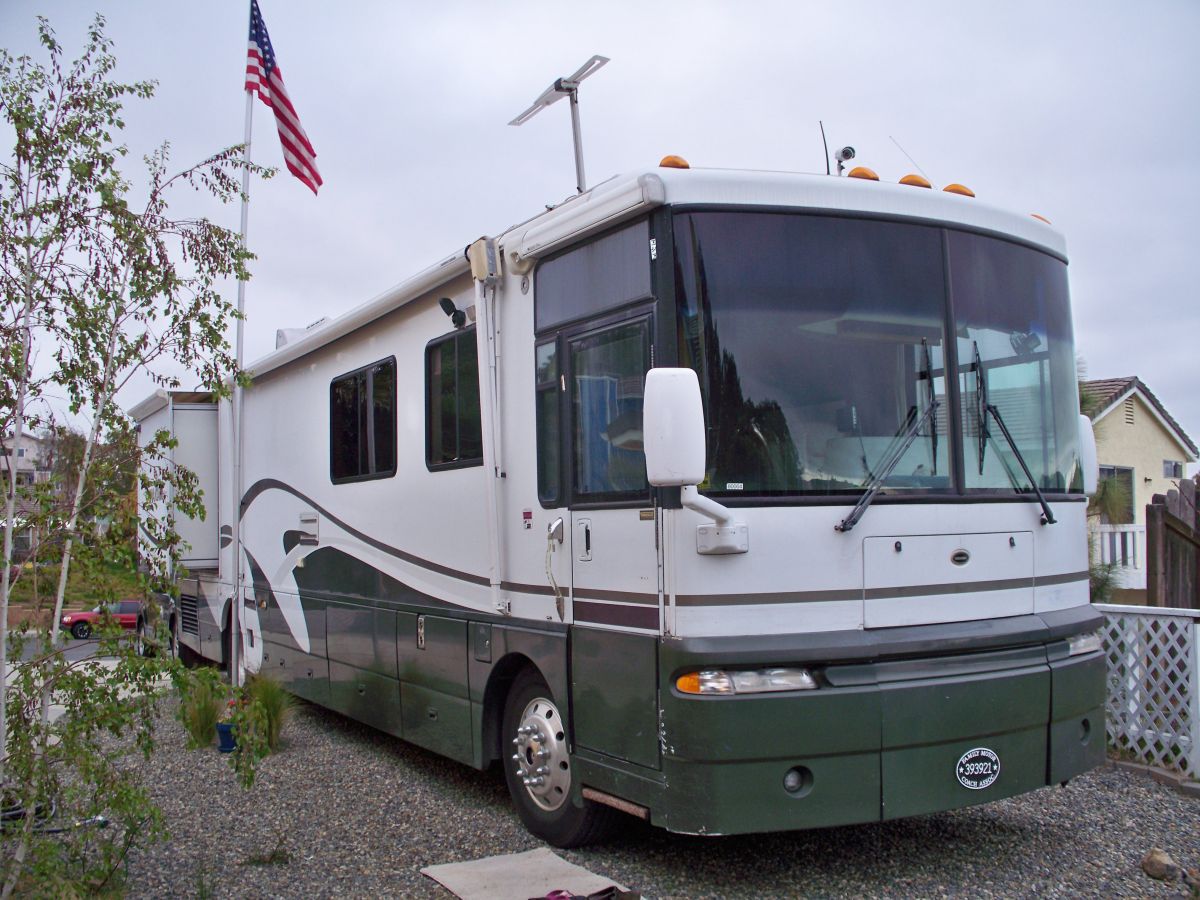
x: 566, y: 87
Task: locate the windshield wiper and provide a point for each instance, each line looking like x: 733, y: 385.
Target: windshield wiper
x: 984, y: 408
x: 896, y: 451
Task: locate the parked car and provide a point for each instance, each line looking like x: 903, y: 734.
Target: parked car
x: 131, y: 614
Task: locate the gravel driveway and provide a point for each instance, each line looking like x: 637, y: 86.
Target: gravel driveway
x: 344, y: 811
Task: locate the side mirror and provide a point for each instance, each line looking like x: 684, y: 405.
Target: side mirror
x: 1088, y: 459
x: 673, y: 428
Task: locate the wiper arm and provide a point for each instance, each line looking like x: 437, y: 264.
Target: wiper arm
x: 1047, y: 515
x: 891, y: 460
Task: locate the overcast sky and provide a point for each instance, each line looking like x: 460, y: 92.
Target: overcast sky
x: 1085, y: 112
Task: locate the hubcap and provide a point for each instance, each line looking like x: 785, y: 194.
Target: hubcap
x: 541, y: 757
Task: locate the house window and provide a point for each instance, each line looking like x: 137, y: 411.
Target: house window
x: 20, y: 452
x: 1172, y: 469
x: 362, y: 423
x: 1122, y: 478
x: 453, y: 428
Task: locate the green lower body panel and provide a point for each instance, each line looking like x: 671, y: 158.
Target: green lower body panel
x: 876, y: 741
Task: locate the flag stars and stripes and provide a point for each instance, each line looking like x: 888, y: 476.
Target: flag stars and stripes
x: 264, y: 78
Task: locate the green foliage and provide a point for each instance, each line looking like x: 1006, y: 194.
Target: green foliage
x: 202, y: 696
x: 1111, y: 502
x: 75, y: 765
x: 276, y: 703
x: 1102, y: 581
x: 257, y: 712
x: 97, y: 283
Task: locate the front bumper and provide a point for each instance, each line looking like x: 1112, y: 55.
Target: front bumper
x: 882, y: 739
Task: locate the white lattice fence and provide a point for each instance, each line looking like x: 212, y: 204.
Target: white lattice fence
x: 1153, y: 711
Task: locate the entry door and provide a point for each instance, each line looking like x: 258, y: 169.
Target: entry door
x: 615, y: 560
x: 614, y: 547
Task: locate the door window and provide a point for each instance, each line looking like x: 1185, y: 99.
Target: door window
x: 608, y: 374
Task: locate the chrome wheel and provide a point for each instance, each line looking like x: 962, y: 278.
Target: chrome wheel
x: 541, y: 758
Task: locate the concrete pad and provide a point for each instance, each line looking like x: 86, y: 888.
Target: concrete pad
x: 516, y: 876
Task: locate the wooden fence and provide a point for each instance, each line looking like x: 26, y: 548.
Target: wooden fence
x: 1173, y: 549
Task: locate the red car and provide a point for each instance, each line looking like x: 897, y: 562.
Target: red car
x: 130, y: 613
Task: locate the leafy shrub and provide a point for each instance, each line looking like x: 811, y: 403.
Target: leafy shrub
x: 275, y: 702
x: 202, y: 697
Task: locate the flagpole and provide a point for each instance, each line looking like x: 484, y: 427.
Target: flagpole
x: 235, y: 611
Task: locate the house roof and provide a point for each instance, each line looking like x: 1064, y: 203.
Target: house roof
x: 1106, y: 393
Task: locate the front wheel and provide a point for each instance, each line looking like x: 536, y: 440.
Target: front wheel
x: 81, y: 630
x: 538, y: 771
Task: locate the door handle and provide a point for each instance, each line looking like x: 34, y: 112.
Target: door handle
x: 583, y: 535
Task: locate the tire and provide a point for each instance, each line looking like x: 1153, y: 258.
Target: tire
x: 140, y: 645
x: 189, y: 657
x: 535, y: 731
x: 81, y: 630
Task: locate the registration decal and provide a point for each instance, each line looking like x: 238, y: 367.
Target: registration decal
x: 977, y: 768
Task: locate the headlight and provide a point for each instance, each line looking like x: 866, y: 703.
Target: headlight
x: 753, y: 681
x: 1078, y: 644
x: 67, y: 620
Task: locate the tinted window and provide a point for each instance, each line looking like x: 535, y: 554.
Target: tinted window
x: 819, y: 343
x: 362, y: 423
x: 608, y: 371
x: 549, y: 386
x: 1013, y: 321
x: 600, y: 275
x: 454, y: 433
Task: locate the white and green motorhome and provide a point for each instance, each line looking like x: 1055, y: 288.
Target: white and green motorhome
x: 737, y: 501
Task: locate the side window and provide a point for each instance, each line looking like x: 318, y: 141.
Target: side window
x: 362, y: 423
x: 453, y: 427
x: 549, y: 386
x: 608, y: 374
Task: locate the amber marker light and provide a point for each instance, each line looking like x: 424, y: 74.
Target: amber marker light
x: 916, y: 181
x: 863, y: 172
x: 1040, y: 218
x: 673, y: 162
x: 959, y: 189
x: 689, y: 683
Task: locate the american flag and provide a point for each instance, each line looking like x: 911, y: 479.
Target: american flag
x: 264, y: 78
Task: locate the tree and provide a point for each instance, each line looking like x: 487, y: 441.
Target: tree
x: 98, y: 282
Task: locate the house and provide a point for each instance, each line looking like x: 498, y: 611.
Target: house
x: 1139, y: 443
x: 29, y: 461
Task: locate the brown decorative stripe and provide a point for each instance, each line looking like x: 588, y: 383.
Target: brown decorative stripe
x: 267, y: 484
x: 925, y: 590
x: 518, y: 588
x: 786, y: 597
x: 1065, y: 578
x: 606, y: 614
x: 617, y: 596
x: 960, y: 587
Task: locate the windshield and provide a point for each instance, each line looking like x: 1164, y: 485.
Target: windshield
x: 1015, y: 353
x: 820, y: 341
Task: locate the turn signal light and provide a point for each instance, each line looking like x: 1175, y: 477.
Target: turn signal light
x: 959, y: 189
x: 755, y: 681
x: 1042, y: 218
x: 673, y: 162
x: 916, y: 181
x: 863, y: 172
x: 1078, y: 644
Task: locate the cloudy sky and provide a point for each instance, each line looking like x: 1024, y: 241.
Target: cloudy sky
x: 1085, y: 112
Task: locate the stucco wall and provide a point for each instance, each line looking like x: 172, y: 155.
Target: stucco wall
x: 1141, y: 446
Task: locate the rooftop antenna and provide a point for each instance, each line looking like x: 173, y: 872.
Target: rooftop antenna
x: 910, y: 159
x: 566, y: 87
x: 826, y: 144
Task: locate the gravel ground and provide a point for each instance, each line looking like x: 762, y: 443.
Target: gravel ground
x: 354, y: 813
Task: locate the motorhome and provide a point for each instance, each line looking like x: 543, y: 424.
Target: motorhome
x: 737, y: 501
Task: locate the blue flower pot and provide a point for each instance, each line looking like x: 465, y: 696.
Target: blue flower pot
x: 225, y: 742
